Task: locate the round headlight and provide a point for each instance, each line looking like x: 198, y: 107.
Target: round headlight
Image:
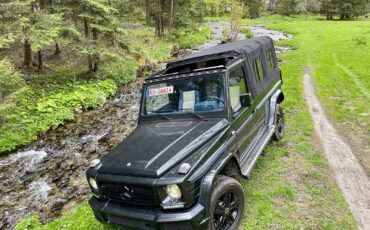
x: 173, y: 191
x: 93, y: 184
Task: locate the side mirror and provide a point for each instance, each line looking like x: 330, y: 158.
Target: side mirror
x: 246, y: 100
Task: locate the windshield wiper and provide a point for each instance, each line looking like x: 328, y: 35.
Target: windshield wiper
x: 196, y: 115
x: 161, y: 115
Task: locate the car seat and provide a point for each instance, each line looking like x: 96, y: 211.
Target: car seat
x: 212, y: 89
x: 189, y: 96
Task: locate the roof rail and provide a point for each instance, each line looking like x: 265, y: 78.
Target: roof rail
x: 211, y: 67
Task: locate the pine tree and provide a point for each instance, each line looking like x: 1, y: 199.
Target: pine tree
x: 254, y: 8
x: 97, y: 19
x: 329, y: 8
x: 33, y: 26
x: 346, y: 9
x: 40, y: 30
x: 285, y: 7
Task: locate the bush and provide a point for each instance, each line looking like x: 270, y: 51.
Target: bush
x: 247, y: 32
x: 190, y: 38
x: 10, y: 79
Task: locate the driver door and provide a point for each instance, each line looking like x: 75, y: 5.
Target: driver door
x: 243, y: 119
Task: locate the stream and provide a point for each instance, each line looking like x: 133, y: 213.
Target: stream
x: 47, y: 177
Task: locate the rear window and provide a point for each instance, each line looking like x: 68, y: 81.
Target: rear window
x: 270, y: 60
x: 258, y: 69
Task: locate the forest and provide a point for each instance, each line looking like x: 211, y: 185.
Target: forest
x: 84, y: 49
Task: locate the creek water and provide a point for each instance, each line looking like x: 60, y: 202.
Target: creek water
x: 47, y: 177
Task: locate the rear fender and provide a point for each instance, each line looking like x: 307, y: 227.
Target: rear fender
x: 276, y: 98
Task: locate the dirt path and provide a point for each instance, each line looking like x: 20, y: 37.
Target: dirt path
x: 348, y: 173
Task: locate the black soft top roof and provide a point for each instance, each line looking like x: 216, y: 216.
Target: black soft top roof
x: 246, y: 46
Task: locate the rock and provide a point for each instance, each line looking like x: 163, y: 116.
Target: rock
x: 57, y: 204
x: 175, y: 51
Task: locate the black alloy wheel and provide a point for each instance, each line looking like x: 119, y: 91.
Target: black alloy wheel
x: 227, y: 204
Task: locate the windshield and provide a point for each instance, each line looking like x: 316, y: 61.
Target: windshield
x: 200, y: 94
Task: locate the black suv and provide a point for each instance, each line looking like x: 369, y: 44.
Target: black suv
x: 203, y: 121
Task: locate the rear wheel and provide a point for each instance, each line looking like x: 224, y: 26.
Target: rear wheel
x: 227, y: 204
x: 279, y: 123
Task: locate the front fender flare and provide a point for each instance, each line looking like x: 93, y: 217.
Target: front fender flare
x: 207, y: 181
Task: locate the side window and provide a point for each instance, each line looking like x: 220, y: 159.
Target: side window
x: 237, y: 86
x: 258, y: 70
x: 270, y: 60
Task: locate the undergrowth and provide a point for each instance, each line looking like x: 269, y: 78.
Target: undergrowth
x: 50, y: 99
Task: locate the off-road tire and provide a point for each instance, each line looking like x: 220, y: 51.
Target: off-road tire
x: 223, y: 186
x: 279, y: 123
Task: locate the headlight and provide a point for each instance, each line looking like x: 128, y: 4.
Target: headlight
x: 173, y: 191
x: 93, y: 184
x: 173, y: 199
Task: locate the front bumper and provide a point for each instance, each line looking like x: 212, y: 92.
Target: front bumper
x: 139, y: 218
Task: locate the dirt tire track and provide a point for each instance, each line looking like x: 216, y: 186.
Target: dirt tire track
x: 350, y: 177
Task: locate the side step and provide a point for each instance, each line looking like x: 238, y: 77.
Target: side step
x: 256, y: 151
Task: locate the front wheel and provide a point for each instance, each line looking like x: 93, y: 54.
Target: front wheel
x: 227, y: 204
x: 279, y: 123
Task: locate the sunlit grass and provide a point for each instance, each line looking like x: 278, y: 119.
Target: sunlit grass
x: 339, y: 54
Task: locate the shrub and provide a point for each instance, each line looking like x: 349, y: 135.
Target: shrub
x: 10, y: 79
x: 247, y: 32
x: 190, y: 38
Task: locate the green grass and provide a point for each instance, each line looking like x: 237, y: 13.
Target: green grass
x: 247, y: 32
x: 291, y: 186
x: 51, y: 99
x: 81, y: 218
x: 187, y: 39
x: 339, y: 53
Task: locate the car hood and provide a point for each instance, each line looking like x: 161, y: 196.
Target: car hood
x: 154, y: 148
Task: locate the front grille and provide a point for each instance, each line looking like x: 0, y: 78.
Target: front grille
x: 130, y: 195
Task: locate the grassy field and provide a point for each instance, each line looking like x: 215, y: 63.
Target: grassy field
x: 292, y: 186
x: 339, y: 53
x: 51, y: 98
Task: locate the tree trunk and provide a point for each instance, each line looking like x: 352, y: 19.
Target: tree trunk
x: 40, y: 65
x: 159, y: 23
x: 27, y: 54
x: 96, y: 55
x: 57, y: 49
x: 329, y: 16
x: 147, y: 12
x: 86, y: 28
x: 171, y: 19
x: 89, y: 57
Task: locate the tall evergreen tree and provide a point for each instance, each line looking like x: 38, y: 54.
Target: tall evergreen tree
x: 254, y: 8
x: 285, y: 7
x: 30, y: 24
x: 346, y: 9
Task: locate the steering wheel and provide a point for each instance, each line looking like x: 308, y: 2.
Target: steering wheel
x: 213, y: 98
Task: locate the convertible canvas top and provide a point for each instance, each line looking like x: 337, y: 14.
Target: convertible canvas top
x: 246, y: 46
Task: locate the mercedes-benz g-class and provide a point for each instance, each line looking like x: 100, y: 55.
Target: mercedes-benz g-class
x: 203, y: 121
